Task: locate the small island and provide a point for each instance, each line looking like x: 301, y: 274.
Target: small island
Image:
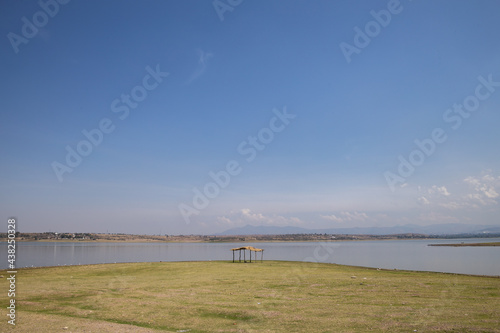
x: 469, y: 244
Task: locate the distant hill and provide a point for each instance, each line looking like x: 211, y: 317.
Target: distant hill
x: 435, y: 229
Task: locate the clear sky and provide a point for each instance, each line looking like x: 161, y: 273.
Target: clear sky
x: 190, y: 117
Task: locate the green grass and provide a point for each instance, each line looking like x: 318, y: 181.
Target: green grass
x: 259, y: 297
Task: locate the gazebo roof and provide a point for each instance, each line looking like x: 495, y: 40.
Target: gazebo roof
x: 251, y: 248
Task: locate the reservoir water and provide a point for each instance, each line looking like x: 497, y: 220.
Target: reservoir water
x: 388, y: 254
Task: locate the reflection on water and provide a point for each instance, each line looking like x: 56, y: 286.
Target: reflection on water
x: 392, y: 254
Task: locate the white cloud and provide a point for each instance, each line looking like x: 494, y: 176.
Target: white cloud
x: 423, y: 201
x: 452, y: 205
x: 246, y: 216
x: 434, y: 195
x: 203, y: 57
x: 332, y: 217
x: 437, y: 217
x: 355, y: 216
x: 473, y: 193
x: 440, y: 190
x: 346, y: 217
x: 202, y: 65
x: 484, y: 189
x: 224, y: 220
x: 491, y: 193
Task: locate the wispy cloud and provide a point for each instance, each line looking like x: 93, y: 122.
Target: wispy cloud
x: 346, y: 217
x: 246, y: 216
x: 436, y: 217
x: 484, y: 185
x: 423, y: 200
x: 439, y: 190
x: 432, y: 194
x: 475, y: 192
x: 203, y: 58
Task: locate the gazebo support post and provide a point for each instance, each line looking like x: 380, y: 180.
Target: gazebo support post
x: 251, y: 249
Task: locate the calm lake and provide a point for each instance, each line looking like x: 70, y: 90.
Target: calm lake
x: 389, y: 254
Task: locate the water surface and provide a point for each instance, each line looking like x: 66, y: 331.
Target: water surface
x: 389, y: 254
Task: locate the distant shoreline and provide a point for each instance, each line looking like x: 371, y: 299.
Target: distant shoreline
x: 469, y: 244
x: 277, y: 238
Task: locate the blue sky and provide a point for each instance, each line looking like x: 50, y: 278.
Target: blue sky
x: 182, y: 93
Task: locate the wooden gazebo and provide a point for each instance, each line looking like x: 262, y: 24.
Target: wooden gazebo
x: 250, y: 248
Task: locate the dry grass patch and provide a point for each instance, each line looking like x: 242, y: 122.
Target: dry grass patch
x: 259, y: 297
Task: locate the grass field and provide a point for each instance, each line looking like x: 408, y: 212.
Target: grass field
x: 271, y: 296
